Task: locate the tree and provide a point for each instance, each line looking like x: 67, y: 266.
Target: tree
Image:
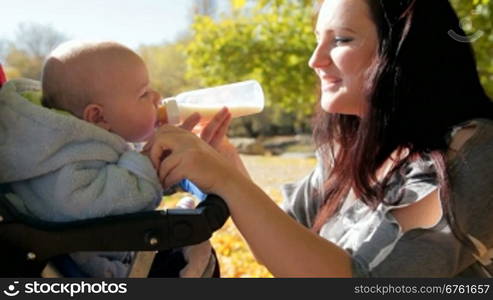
x: 37, y: 40
x: 167, y: 68
x: 271, y: 42
x: 476, y: 17
x: 24, y: 65
x: 205, y: 8
x: 4, y: 48
x: 33, y: 42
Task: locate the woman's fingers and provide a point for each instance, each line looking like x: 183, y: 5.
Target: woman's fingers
x: 221, y: 132
x: 174, y: 177
x: 177, y: 153
x: 191, y: 121
x: 214, y: 125
x: 155, y: 154
x: 149, y: 144
x: 162, y: 142
x: 169, y: 141
x: 167, y: 166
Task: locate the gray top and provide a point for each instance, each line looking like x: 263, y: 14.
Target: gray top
x: 374, y: 238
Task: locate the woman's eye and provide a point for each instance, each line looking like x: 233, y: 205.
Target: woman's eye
x: 342, y: 40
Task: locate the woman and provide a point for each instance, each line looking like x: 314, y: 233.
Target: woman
x: 404, y: 185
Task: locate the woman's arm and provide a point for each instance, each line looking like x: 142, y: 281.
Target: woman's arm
x: 284, y: 246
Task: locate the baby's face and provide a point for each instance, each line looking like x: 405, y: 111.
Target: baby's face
x: 129, y: 103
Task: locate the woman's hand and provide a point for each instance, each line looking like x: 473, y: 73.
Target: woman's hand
x: 214, y: 133
x: 188, y: 124
x: 179, y: 154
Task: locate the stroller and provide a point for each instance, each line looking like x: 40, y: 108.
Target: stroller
x: 30, y: 247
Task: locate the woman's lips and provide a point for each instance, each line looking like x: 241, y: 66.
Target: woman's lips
x: 328, y: 83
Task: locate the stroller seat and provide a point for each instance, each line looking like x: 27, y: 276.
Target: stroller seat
x: 27, y: 244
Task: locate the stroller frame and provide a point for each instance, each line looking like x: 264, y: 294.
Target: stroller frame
x: 28, y: 244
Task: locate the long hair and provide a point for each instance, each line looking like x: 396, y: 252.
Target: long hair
x: 421, y: 84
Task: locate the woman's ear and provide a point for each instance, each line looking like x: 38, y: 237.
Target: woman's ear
x: 93, y: 113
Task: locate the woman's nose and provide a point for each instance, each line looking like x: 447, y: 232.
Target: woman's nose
x: 320, y: 57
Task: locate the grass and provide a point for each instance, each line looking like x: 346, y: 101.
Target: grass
x: 269, y: 172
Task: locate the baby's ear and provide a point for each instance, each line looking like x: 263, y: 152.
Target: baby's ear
x: 93, y: 113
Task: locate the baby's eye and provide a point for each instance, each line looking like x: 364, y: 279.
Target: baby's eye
x: 144, y: 94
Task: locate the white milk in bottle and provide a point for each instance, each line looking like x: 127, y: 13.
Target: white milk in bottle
x: 241, y: 98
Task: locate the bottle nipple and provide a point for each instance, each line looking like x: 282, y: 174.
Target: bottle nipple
x: 162, y: 114
x: 168, y: 112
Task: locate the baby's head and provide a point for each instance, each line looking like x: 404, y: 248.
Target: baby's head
x: 103, y: 83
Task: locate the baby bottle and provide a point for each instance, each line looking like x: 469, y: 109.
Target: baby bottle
x: 241, y: 99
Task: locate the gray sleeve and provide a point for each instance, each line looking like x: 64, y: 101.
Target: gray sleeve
x: 92, y: 189
x: 436, y: 252
x: 418, y: 253
x: 388, y: 252
x: 303, y: 198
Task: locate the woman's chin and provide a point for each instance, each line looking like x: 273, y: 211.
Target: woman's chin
x: 336, y: 105
x: 331, y: 104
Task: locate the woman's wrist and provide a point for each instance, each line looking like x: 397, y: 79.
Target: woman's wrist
x: 230, y: 152
x: 232, y: 182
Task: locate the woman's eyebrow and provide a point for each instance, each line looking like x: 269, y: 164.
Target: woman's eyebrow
x: 317, y: 32
x: 347, y: 29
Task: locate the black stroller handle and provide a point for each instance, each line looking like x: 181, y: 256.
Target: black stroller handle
x: 34, y: 242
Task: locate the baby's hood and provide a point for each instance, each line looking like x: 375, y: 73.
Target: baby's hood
x: 35, y: 140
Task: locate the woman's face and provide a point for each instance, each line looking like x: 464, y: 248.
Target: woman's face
x: 347, y: 44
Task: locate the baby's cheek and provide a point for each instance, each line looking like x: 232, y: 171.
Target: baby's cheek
x: 143, y: 129
x: 149, y: 127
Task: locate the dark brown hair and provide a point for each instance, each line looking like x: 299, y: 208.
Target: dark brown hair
x: 422, y: 83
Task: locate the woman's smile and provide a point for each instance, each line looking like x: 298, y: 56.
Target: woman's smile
x: 330, y: 82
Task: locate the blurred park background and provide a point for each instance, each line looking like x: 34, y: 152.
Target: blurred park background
x: 191, y: 44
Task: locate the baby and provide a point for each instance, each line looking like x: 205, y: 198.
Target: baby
x: 105, y: 84
x: 84, y: 167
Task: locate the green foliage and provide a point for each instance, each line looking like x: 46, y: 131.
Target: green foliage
x: 477, y: 15
x: 23, y: 65
x: 270, y: 42
x: 167, y: 68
